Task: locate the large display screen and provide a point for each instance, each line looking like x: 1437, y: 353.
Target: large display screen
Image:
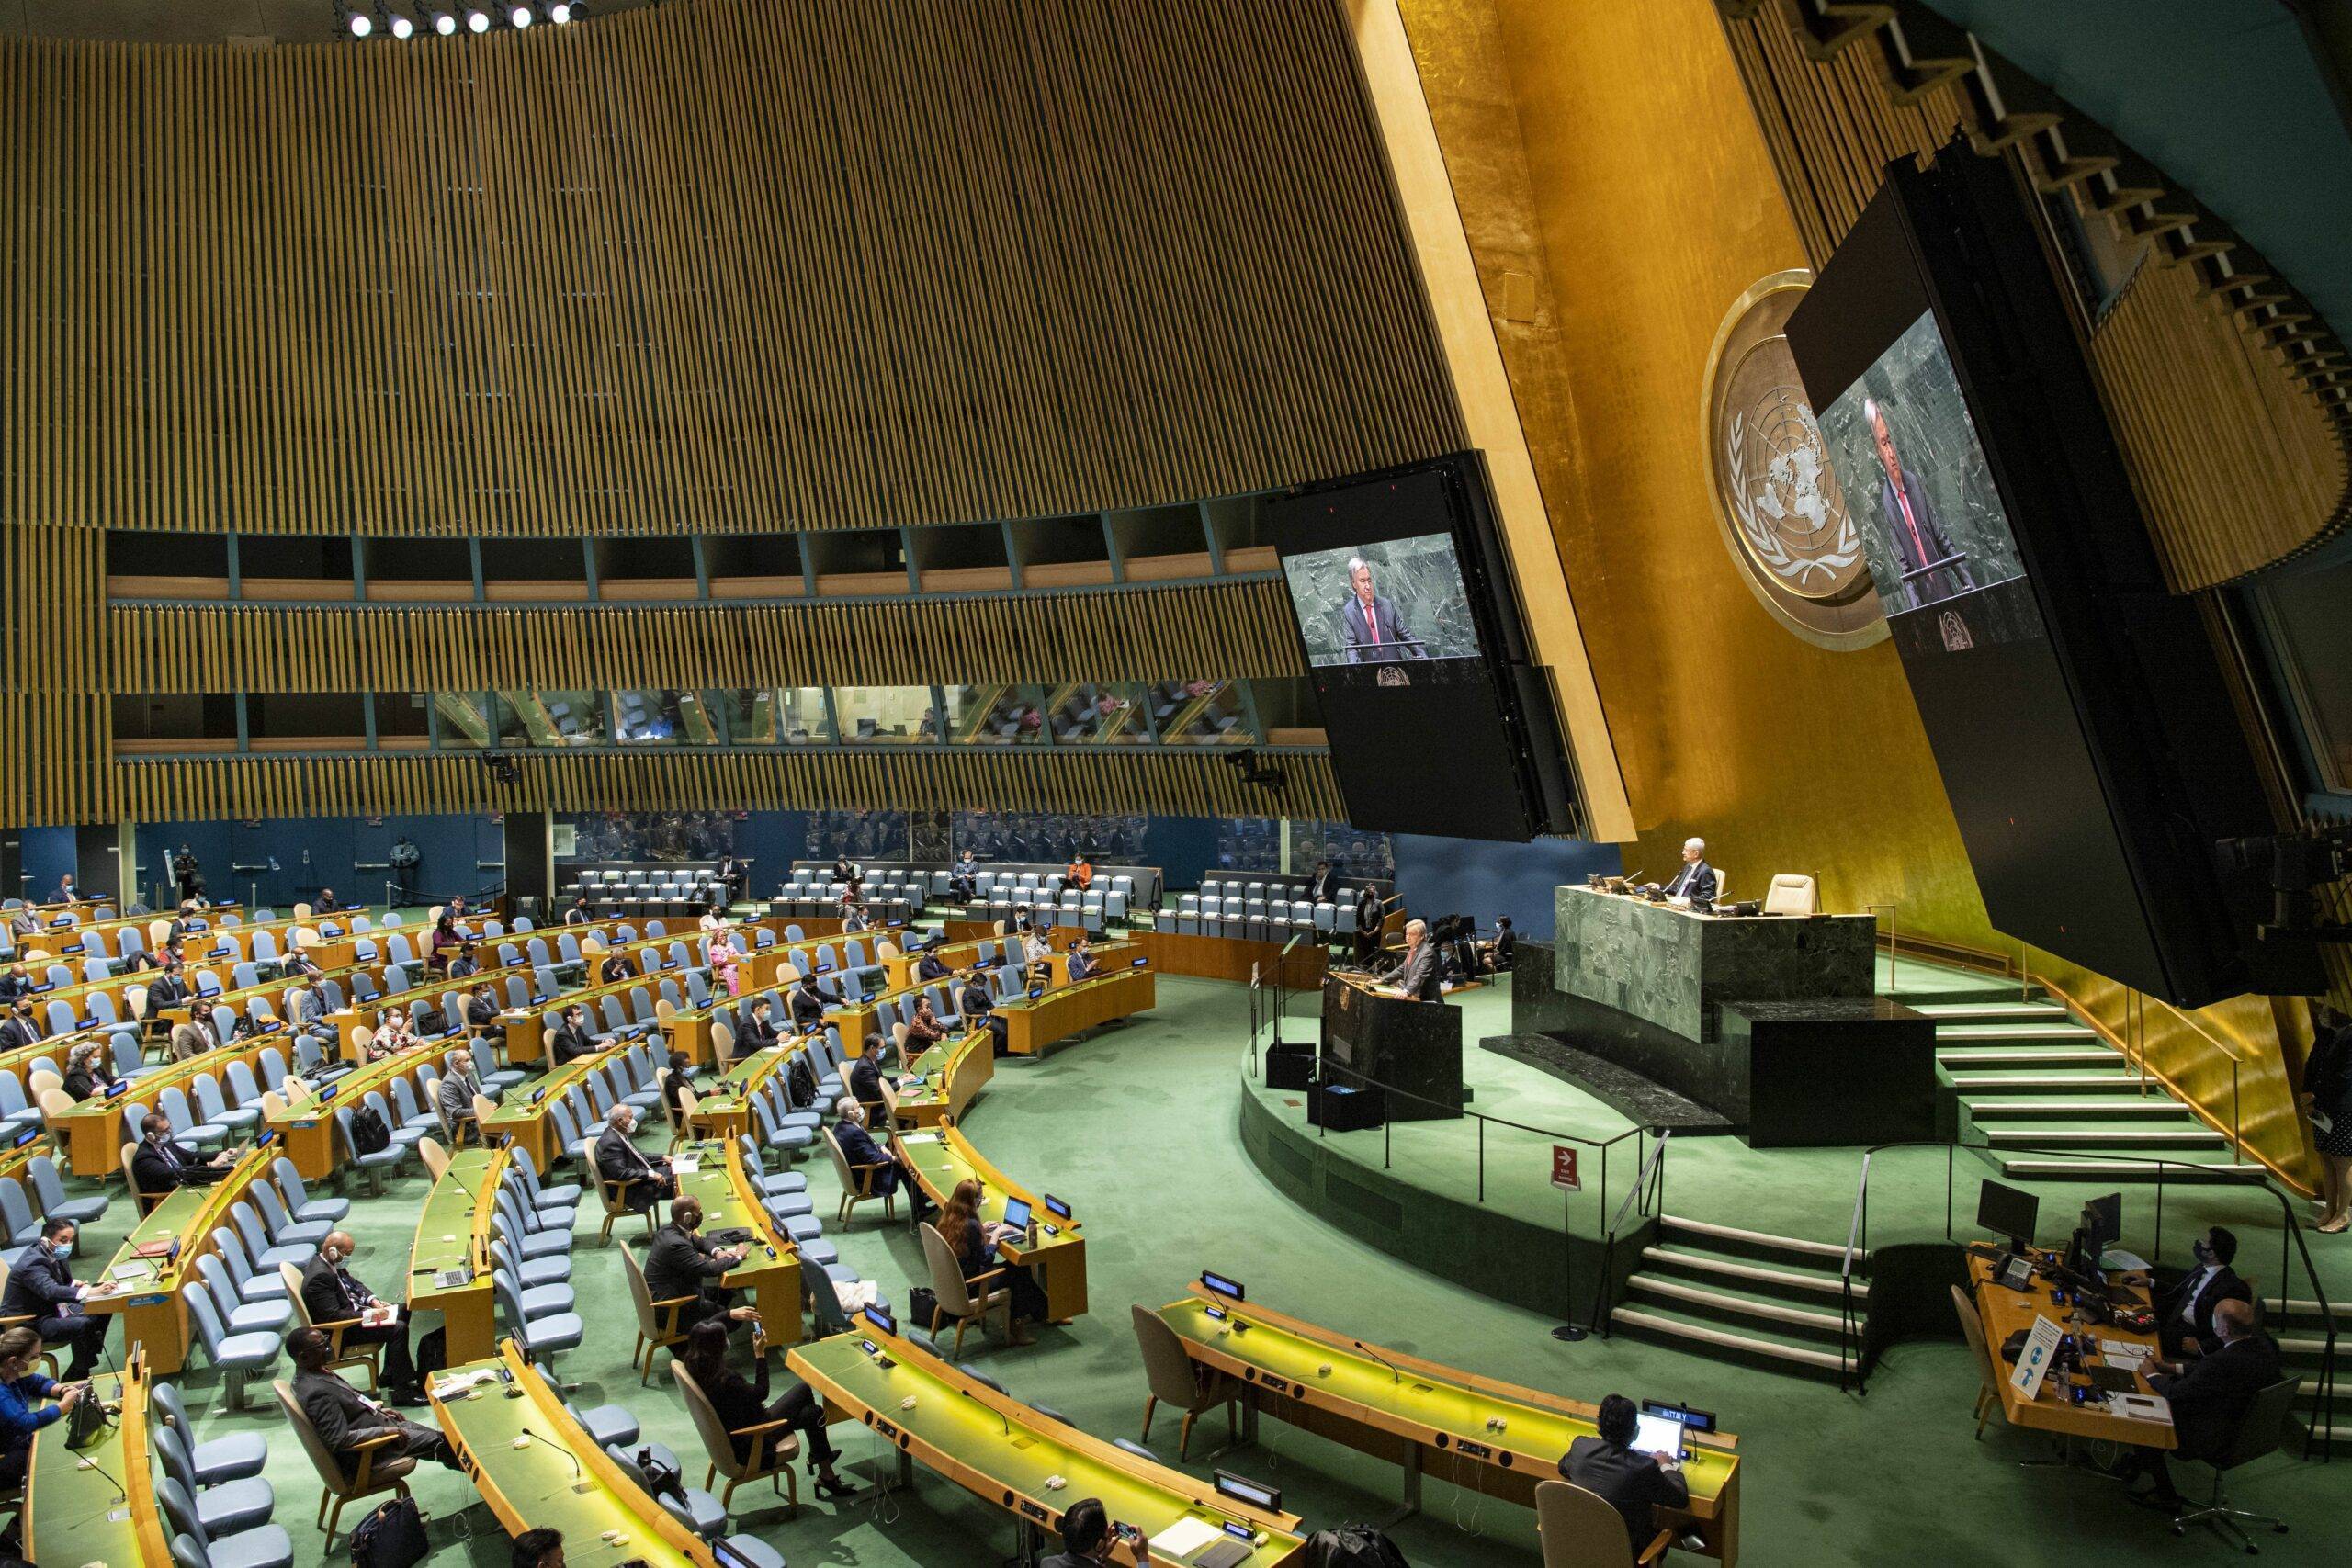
x: 1915, y: 476
x: 1436, y: 723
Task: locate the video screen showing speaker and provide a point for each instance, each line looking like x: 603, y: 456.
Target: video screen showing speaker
x: 2078, y: 711
x: 1437, y: 722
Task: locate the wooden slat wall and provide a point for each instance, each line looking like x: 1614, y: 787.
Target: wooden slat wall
x: 2236, y: 463
x: 1191, y: 784
x: 1225, y: 629
x: 719, y: 265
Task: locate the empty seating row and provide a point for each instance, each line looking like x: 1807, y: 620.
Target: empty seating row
x: 1260, y: 920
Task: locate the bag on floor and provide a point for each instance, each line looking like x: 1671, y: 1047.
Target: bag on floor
x: 391, y: 1536
x: 432, y: 1353
x: 369, y: 1133
x: 923, y: 1308
x: 1352, y: 1546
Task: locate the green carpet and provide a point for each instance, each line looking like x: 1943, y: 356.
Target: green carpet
x: 1138, y: 1126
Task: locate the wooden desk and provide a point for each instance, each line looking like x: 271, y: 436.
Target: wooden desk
x: 537, y: 1485
x: 1410, y: 1411
x: 308, y: 1129
x: 1057, y: 1263
x: 770, y: 1273
x: 898, y: 972
x: 954, y: 1071
x: 74, y: 1515
x: 522, y: 1114
x: 1030, y: 1026
x: 145, y: 1292
x: 726, y: 1110
x: 453, y: 1231
x: 93, y: 1130
x: 1002, y: 1451
x: 1235, y: 958
x: 2004, y: 1312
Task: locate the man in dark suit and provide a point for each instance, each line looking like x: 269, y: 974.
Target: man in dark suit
x: 43, y: 1288
x: 759, y: 1028
x: 1089, y: 1537
x: 331, y: 1293
x: 1368, y: 622
x: 1082, y: 964
x: 2184, y: 1312
x: 1696, y: 880
x: 978, y: 1008
x: 345, y: 1418
x: 578, y: 914
x: 1920, y: 540
x: 22, y: 1027
x: 2209, y: 1397
x: 1323, y: 888
x: 572, y: 1040
x: 167, y: 990
x: 1417, y: 975
x: 931, y: 966
x: 807, y: 1005
x: 867, y: 1079
x: 481, y: 1014
x: 679, y: 1262
x: 894, y: 1171
x: 618, y: 1160
x: 1636, y: 1484
x: 614, y: 968
x: 159, y: 1165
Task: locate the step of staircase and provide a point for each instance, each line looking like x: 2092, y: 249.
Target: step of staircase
x: 1739, y: 1308
x: 2045, y: 1083
x: 1972, y: 1033
x: 2132, y: 1106
x: 2184, y: 1132
x: 1754, y: 1276
x: 1732, y: 1237
x: 1991, y: 1011
x: 2039, y: 1057
x: 2040, y: 1168
x: 1758, y: 1345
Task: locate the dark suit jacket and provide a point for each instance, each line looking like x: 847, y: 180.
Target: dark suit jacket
x: 156, y: 1171
x: 571, y: 1043
x: 1631, y: 1483
x: 617, y: 1160
x: 974, y: 1001
x: 678, y: 1263
x: 80, y: 1084
x: 1359, y: 630
x: 1082, y: 966
x: 2224, y: 1285
x: 2210, y: 1398
x: 1323, y: 889
x: 807, y: 1008
x: 1695, y: 881
x: 331, y: 1294
x: 859, y: 1148
x: 1418, y: 974
x: 865, y: 1083
x: 931, y: 966
x: 19, y: 1031
x: 40, y: 1286
x: 758, y: 1035
x: 344, y: 1418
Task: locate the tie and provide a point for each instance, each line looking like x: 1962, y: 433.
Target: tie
x: 1371, y: 626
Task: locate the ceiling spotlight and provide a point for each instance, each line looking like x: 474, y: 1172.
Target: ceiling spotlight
x: 444, y: 21
x: 477, y: 19
x: 559, y: 13
x: 398, y: 25
x: 358, y: 22
x: 521, y: 16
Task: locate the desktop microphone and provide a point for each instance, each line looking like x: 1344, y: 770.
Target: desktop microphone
x: 580, y: 1481
x: 1394, y: 1375
x: 122, y: 1491
x: 990, y: 1408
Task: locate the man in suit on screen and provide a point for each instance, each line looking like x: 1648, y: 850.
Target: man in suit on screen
x: 1911, y: 525
x: 1374, y: 634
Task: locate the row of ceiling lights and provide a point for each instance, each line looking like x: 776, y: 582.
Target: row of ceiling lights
x: 360, y: 21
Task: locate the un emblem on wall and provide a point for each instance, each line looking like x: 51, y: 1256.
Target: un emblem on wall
x: 1782, y: 514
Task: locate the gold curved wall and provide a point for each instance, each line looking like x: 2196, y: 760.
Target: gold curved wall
x: 1620, y: 195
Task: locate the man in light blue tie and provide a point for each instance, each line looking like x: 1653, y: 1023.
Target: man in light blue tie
x: 1696, y: 880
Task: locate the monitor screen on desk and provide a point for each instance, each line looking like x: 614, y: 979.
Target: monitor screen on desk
x: 2008, y: 1211
x: 1017, y: 1212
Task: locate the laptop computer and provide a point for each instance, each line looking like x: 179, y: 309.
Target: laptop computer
x: 1016, y: 1214
x: 1658, y: 1435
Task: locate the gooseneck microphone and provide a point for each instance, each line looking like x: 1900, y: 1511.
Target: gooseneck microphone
x: 990, y: 1408
x: 580, y: 1481
x: 1394, y: 1375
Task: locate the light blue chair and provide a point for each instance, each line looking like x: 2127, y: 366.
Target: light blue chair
x: 232, y: 1458
x: 235, y: 1356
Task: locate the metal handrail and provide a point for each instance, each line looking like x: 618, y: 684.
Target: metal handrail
x: 1857, y: 1245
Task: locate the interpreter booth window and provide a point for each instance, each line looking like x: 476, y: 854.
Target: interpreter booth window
x: 550, y: 719
x: 655, y: 717
x: 2311, y: 645
x: 1201, y: 713
x: 804, y: 717
x: 1087, y: 713
x: 745, y: 717
x: 461, y: 721
x: 996, y: 716
x: 886, y: 714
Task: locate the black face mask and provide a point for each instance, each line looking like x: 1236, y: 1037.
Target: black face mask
x: 2202, y: 1253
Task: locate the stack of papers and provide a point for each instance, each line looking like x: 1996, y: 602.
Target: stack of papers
x: 458, y: 1383
x: 2124, y: 1353
x: 2141, y: 1407
x: 1185, y: 1537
